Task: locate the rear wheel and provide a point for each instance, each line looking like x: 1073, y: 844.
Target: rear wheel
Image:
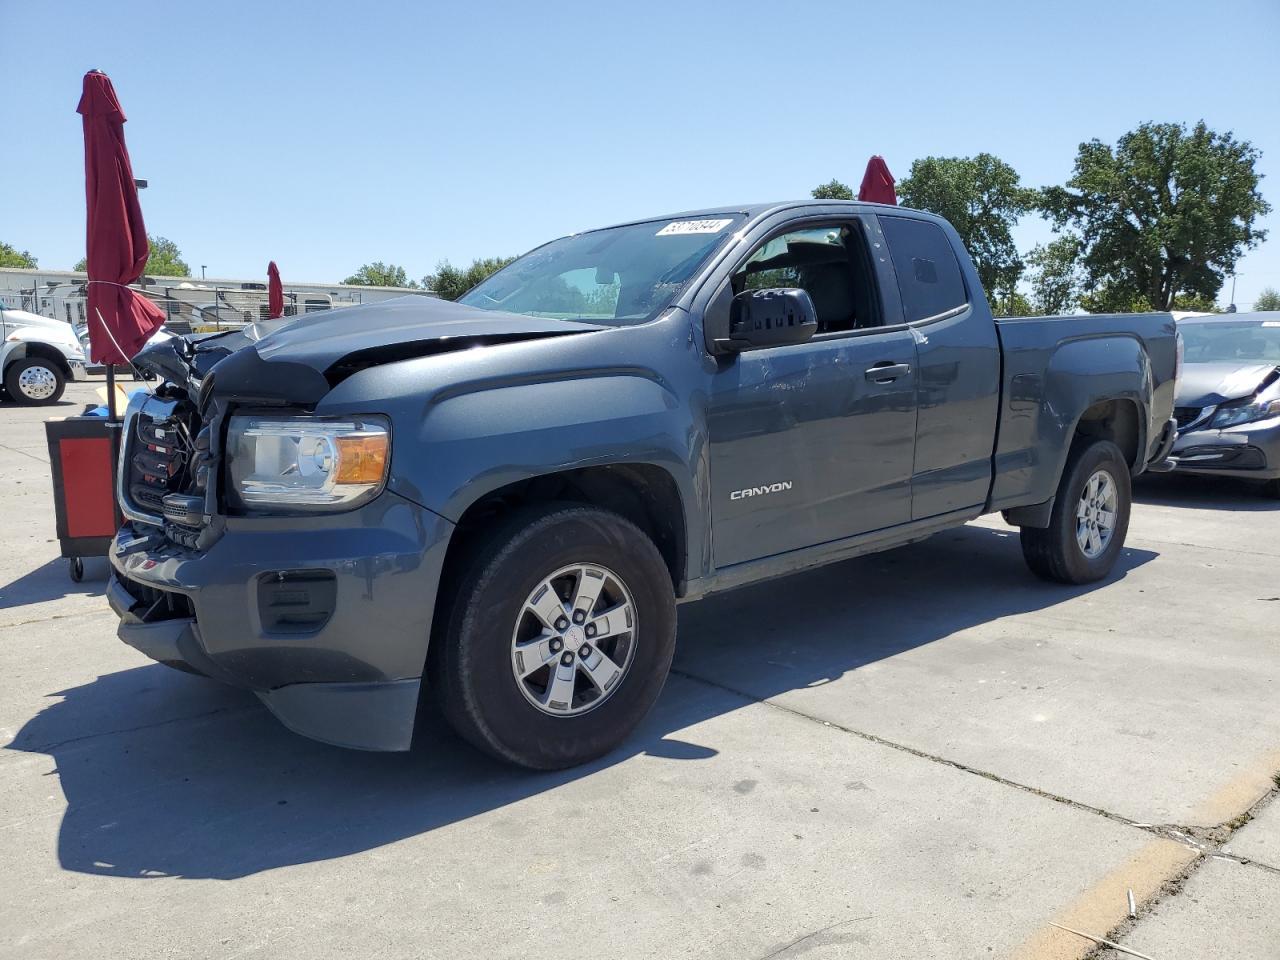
x: 1090, y: 517
x: 1272, y: 488
x: 34, y: 380
x: 559, y: 637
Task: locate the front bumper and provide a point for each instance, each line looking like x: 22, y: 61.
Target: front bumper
x: 1249, y: 450
x: 325, y: 618
x: 78, y: 369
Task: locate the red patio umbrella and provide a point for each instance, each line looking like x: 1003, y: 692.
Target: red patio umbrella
x: 275, y: 292
x: 120, y: 320
x: 877, y: 183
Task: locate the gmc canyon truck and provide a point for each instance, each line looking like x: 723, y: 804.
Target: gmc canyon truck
x: 496, y: 504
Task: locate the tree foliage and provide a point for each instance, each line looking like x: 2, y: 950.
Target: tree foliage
x: 165, y: 260
x: 379, y: 274
x: 982, y: 197
x: 1268, y: 299
x: 1055, y: 276
x: 1163, y: 216
x: 450, y: 282
x: 13, y: 257
x: 833, y: 190
x: 1013, y: 304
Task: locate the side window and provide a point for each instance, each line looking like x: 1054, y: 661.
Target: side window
x: 829, y: 263
x: 928, y: 274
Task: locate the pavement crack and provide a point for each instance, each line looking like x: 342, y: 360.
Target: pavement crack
x: 56, y: 616
x: 59, y: 744
x: 25, y: 453
x: 925, y: 755
x: 809, y: 936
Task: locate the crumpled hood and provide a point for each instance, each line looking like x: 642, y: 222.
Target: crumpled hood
x: 1202, y: 384
x: 321, y: 339
x: 300, y: 361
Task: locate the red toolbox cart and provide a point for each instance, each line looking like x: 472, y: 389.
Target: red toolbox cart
x: 83, y: 452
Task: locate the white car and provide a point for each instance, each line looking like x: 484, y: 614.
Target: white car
x: 38, y: 355
x: 82, y: 334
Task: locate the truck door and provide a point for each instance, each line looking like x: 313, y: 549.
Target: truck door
x: 957, y: 368
x: 813, y: 442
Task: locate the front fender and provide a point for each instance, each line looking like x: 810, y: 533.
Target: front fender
x: 471, y: 444
x: 33, y: 346
x: 453, y: 446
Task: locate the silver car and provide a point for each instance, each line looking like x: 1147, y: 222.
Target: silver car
x: 1228, y: 399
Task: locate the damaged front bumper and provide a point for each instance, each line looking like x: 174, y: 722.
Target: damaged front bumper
x: 1250, y: 451
x: 325, y: 618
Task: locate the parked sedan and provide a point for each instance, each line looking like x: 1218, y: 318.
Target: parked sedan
x: 1228, y: 399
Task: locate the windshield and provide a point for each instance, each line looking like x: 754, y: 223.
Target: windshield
x: 1251, y: 341
x: 618, y: 276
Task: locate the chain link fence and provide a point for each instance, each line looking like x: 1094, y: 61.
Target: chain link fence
x: 190, y: 306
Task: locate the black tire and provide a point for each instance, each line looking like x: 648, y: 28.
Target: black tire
x: 1272, y: 489
x: 18, y: 367
x: 471, y: 674
x: 1054, y: 553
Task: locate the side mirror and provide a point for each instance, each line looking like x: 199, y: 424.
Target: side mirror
x: 770, y: 318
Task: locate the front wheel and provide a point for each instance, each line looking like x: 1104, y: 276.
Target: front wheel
x: 1090, y: 517
x: 559, y: 637
x: 34, y: 380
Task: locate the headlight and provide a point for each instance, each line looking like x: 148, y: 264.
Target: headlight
x: 1245, y: 413
x: 306, y: 463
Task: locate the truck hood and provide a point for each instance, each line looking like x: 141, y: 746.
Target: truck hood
x: 32, y: 326
x: 302, y: 360
x: 1202, y: 384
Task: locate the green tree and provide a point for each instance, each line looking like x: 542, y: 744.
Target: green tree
x: 450, y: 282
x: 165, y: 260
x: 1013, y: 304
x: 379, y: 274
x: 1056, y: 279
x: 13, y: 257
x: 1268, y: 299
x: 983, y: 198
x: 1162, y: 216
x: 833, y: 190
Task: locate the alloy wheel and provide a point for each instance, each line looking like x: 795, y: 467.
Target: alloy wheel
x: 1096, y: 514
x: 574, y: 640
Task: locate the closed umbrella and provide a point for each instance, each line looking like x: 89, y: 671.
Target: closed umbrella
x: 120, y: 320
x: 275, y: 292
x: 877, y: 183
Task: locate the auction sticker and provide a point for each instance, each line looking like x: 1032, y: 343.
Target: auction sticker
x: 680, y: 227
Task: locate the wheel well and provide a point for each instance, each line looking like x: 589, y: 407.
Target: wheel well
x: 644, y: 494
x: 1117, y: 421
x: 41, y: 350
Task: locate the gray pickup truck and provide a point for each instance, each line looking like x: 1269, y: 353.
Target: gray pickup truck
x: 495, y: 504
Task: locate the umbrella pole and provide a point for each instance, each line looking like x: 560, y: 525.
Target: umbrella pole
x: 112, y: 413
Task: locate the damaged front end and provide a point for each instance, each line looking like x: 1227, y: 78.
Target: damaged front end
x: 175, y: 439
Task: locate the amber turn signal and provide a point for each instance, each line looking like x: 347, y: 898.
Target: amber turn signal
x: 362, y: 459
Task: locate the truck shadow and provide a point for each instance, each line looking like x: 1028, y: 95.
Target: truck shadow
x: 167, y: 775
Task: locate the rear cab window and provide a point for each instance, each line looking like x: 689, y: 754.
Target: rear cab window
x: 929, y: 277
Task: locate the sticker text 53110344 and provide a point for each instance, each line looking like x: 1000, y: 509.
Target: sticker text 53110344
x: 681, y: 227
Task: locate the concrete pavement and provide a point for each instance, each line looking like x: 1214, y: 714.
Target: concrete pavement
x: 925, y: 753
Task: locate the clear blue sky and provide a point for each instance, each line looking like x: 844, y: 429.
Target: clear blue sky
x: 327, y: 134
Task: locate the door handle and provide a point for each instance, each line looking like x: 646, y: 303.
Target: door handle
x: 887, y: 371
